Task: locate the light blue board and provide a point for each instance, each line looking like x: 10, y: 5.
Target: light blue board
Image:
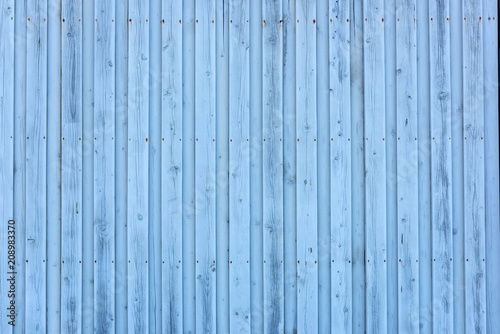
x: 36, y: 162
x: 306, y: 127
x: 358, y: 177
x: 272, y: 169
x: 340, y: 167
x: 137, y: 166
x: 205, y: 177
x: 375, y: 165
x: 391, y: 162
x: 491, y: 162
x: 53, y: 168
x: 407, y: 166
x: 104, y: 166
x: 323, y: 172
x: 473, y: 150
x: 441, y: 173
x: 424, y: 169
x: 171, y: 167
x: 121, y: 148
x: 188, y: 164
x: 456, y: 78
x: 71, y: 169
x: 7, y: 155
x: 289, y: 181
x: 239, y: 167
x: 256, y: 171
x: 222, y: 164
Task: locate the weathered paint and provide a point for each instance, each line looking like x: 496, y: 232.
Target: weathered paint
x: 250, y: 166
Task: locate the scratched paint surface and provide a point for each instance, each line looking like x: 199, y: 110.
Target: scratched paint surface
x: 277, y: 166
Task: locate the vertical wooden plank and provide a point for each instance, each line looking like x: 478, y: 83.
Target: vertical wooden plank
x: 256, y: 170
x: 71, y: 174
x: 424, y: 169
x: 104, y: 166
x: 8, y: 234
x: 87, y: 206
x: 323, y: 147
x: 171, y: 167
x: 306, y: 127
x: 121, y: 153
x: 222, y: 164
x: 358, y: 168
x: 375, y: 163
x: 456, y: 78
x: 154, y: 202
x: 289, y: 186
x: 407, y: 166
x: 137, y: 166
x: 391, y: 162
x: 188, y: 176
x: 474, y: 200
x: 340, y: 167
x: 54, y: 167
x: 239, y: 167
x: 205, y: 232
x: 36, y: 162
x: 491, y: 163
x: 272, y: 169
x: 441, y: 177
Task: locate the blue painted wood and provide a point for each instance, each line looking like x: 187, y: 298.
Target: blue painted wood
x: 456, y: 78
x: 272, y: 171
x: 407, y: 166
x: 375, y: 165
x: 239, y: 168
x: 154, y: 229
x: 53, y: 168
x: 171, y: 167
x: 71, y: 168
x: 307, y: 167
x: 491, y: 164
x: 36, y: 173
x: 441, y: 174
x: 473, y: 155
x: 204, y: 196
x: 121, y: 150
x: 289, y: 168
x: 104, y: 166
x: 6, y: 153
x: 391, y: 114
x: 256, y: 170
x: 340, y: 168
x: 318, y: 100
x: 424, y: 168
x: 137, y: 166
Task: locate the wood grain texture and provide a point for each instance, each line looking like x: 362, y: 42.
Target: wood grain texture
x: 375, y: 165
x: 441, y: 164
x: 205, y: 177
x: 104, y: 166
x: 6, y: 150
x: 491, y: 162
x: 289, y: 155
x: 137, y: 166
x: 171, y: 165
x: 71, y: 170
x: 340, y: 168
x: 272, y: 88
x: 36, y: 162
x: 407, y: 166
x: 239, y: 168
x: 306, y: 127
x: 473, y: 150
